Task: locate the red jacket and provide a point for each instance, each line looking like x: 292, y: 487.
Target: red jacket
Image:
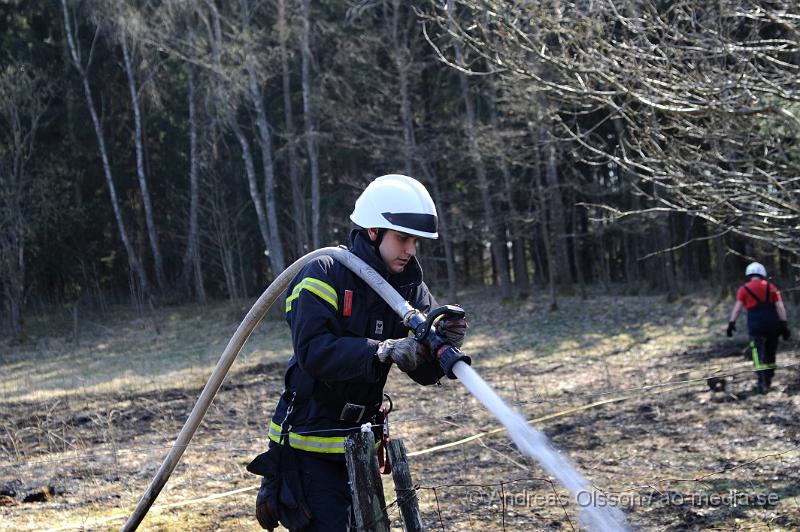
x: 759, y: 288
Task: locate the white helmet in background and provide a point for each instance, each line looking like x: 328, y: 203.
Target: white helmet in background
x: 755, y: 268
x: 397, y: 202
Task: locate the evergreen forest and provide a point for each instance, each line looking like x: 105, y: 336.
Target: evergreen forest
x: 159, y: 152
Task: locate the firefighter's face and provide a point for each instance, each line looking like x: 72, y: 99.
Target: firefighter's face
x: 396, y: 248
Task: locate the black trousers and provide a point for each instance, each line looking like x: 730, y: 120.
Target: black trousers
x: 764, y: 348
x: 327, y: 491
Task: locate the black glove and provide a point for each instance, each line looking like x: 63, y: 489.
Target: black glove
x: 406, y: 352
x: 731, y: 328
x: 267, y: 506
x: 452, y: 331
x: 267, y: 465
x: 783, y: 330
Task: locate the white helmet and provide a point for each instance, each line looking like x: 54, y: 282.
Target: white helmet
x: 397, y: 202
x: 755, y: 268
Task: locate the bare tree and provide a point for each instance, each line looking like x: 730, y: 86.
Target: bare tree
x: 24, y: 98
x: 225, y: 42
x: 220, y: 234
x: 298, y: 201
x: 191, y: 258
x: 555, y: 205
x: 521, y: 278
x: 138, y: 137
x: 76, y: 54
x: 310, y: 119
x: 705, y: 94
x: 415, y: 158
x: 228, y: 89
x: 174, y: 27
x: 264, y: 139
x: 546, y: 235
x: 498, y: 239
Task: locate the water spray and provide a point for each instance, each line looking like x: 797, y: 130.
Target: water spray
x: 596, y: 514
x: 595, y: 517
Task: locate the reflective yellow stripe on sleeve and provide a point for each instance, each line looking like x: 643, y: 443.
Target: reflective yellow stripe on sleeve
x: 321, y: 289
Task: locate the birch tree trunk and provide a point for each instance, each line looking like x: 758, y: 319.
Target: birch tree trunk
x: 140, y: 171
x: 232, y: 121
x: 250, y: 175
x: 191, y: 259
x: 265, y: 143
x: 498, y: 239
x: 298, y: 202
x: 310, y: 124
x: 75, y: 53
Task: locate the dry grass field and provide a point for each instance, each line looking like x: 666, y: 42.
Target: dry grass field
x: 617, y: 383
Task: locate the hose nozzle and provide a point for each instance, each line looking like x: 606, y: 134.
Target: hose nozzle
x: 424, y: 331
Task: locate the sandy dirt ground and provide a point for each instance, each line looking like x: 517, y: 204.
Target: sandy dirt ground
x: 617, y: 383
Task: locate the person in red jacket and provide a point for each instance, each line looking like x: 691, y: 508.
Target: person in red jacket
x: 766, y: 320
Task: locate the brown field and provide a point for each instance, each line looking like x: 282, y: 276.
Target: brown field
x: 618, y: 381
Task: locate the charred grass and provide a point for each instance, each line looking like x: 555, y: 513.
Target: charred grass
x: 617, y: 383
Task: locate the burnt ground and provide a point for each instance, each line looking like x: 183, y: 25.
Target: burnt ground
x: 623, y: 392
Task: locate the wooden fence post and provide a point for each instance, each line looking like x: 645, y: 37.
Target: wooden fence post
x: 365, y: 483
x: 404, y: 487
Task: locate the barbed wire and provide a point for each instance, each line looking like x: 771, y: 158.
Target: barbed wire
x: 215, y: 444
x: 393, y: 506
x: 646, y: 390
x: 388, y: 510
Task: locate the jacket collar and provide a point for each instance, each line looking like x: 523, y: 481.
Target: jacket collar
x: 363, y: 249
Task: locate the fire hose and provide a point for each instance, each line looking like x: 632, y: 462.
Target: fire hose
x: 418, y: 322
x: 598, y: 516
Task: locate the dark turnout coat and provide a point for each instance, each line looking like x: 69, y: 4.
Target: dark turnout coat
x: 334, y: 381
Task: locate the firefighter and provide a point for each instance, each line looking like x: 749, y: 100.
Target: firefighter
x: 346, y: 339
x: 766, y: 320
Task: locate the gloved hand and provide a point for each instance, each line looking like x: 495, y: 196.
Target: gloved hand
x: 731, y: 328
x: 452, y: 330
x: 783, y: 330
x: 406, y: 352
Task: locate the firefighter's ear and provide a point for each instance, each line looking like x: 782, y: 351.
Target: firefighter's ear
x: 373, y: 234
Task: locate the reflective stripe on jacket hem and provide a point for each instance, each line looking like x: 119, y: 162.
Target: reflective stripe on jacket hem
x: 314, y: 444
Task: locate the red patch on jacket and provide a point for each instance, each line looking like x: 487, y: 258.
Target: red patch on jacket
x: 348, y: 303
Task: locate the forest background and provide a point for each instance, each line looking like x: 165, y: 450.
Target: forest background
x: 620, y: 161
x: 176, y: 151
